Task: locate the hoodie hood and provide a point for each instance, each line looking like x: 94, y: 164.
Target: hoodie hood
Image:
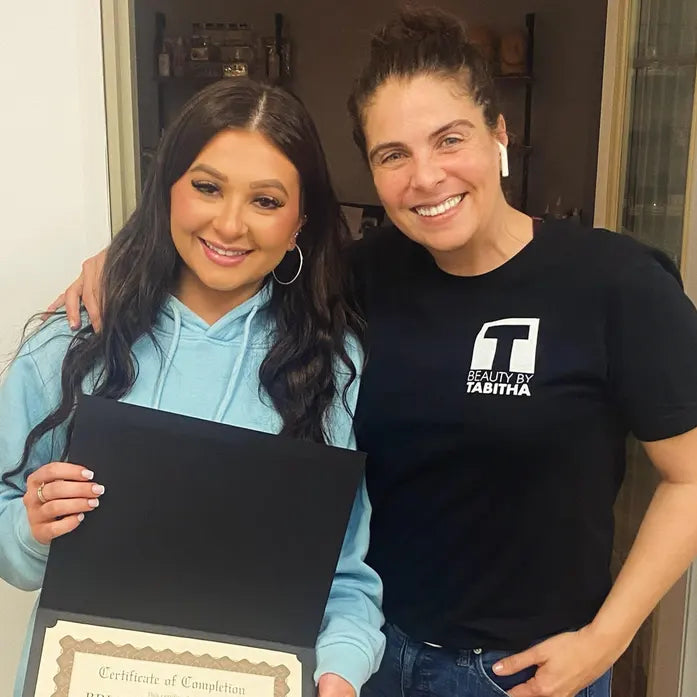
x: 231, y: 338
x: 176, y: 319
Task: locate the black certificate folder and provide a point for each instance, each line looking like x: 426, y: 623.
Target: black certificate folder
x: 205, y: 531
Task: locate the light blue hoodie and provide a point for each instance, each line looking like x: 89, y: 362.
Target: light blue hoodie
x: 209, y: 372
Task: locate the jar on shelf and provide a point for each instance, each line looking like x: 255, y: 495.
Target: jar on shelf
x: 513, y: 48
x: 199, y: 43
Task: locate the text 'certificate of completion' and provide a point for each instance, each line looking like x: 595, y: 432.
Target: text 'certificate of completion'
x: 80, y: 660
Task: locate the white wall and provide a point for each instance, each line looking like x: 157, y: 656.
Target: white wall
x: 53, y: 187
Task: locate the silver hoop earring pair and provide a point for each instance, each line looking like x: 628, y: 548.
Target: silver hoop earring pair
x: 297, y: 273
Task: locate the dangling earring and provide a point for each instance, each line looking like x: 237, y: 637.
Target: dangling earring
x: 297, y: 273
x: 504, y: 159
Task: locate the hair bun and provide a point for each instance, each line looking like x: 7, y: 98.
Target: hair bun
x: 414, y: 24
x: 423, y: 41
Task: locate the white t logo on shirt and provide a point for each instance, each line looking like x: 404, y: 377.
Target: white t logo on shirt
x: 503, y: 358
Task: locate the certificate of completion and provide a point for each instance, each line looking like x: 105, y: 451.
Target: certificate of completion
x: 81, y: 660
x: 193, y: 579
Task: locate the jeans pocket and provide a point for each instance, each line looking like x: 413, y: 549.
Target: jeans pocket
x: 484, y: 663
x: 486, y: 678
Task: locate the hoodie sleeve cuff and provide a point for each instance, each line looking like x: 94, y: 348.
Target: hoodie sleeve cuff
x: 28, y: 541
x: 345, y: 660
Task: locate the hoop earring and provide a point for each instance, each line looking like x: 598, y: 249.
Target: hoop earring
x: 297, y: 273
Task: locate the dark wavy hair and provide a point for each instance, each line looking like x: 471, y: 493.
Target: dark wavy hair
x: 313, y: 316
x: 422, y: 41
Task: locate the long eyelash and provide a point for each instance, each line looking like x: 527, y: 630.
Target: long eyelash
x: 205, y: 187
x: 275, y: 201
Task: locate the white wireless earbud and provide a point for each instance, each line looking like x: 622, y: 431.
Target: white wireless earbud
x: 504, y: 159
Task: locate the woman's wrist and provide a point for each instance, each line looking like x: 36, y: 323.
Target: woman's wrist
x: 611, y: 639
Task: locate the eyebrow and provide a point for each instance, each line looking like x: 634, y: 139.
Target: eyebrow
x: 268, y: 183
x: 209, y: 170
x: 443, y: 129
x: 260, y: 184
x: 453, y: 124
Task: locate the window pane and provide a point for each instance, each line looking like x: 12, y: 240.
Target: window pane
x: 663, y: 77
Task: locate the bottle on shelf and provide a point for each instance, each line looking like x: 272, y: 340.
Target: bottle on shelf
x: 273, y: 62
x: 164, y: 61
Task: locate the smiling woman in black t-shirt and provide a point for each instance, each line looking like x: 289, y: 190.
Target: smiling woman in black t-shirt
x: 506, y: 367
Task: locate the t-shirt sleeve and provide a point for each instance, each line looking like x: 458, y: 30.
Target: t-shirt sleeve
x: 652, y: 346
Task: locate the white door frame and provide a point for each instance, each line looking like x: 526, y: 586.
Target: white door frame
x: 613, y: 113
x: 118, y: 37
x: 690, y: 228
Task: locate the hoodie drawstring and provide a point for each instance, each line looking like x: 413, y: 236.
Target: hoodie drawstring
x: 237, y: 368
x: 160, y: 386
x: 234, y: 373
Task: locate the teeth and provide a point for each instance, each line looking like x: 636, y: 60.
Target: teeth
x: 430, y: 211
x: 224, y: 252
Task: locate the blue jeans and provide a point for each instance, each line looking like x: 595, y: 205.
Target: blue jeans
x: 413, y: 669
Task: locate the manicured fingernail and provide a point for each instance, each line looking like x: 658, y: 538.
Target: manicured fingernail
x: 497, y: 668
x: 98, y: 489
x: 93, y: 502
x: 81, y: 517
x: 87, y: 474
x: 74, y: 326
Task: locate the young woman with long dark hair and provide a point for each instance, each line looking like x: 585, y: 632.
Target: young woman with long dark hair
x: 223, y: 297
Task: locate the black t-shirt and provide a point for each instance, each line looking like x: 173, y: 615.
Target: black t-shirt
x: 494, y: 411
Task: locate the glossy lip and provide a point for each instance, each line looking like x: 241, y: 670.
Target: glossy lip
x: 223, y: 260
x: 441, y: 217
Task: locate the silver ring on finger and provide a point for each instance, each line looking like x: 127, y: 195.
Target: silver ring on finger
x: 40, y: 493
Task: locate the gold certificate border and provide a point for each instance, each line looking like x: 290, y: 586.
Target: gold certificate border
x: 71, y: 646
